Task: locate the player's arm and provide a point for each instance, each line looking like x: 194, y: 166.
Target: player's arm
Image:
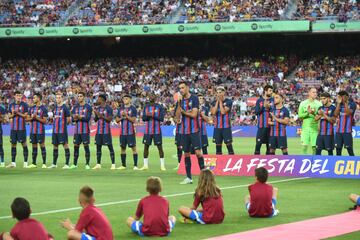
x: 349, y: 110
x: 161, y: 115
x: 215, y: 108
x: 192, y: 114
x: 145, y: 118
x: 206, y: 118
x: 110, y: 116
x: 303, y: 114
x: 42, y: 119
x: 319, y: 115
x: 338, y: 106
x: 132, y: 117
x: 87, y: 117
x: 6, y: 236
x: 67, y: 224
x: 177, y: 112
x: 258, y: 108
x: 74, y: 115
x: 196, y: 202
x: 330, y: 119
x: 223, y: 110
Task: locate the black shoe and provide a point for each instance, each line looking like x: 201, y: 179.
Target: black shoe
x: 353, y: 208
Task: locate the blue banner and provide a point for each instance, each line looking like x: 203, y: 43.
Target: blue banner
x: 169, y: 131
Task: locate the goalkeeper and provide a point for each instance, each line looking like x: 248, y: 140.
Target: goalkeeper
x: 307, y: 111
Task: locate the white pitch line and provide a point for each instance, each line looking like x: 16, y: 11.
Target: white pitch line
x: 138, y: 199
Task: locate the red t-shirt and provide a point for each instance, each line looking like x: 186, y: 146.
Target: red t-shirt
x: 29, y: 229
x: 155, y: 210
x: 94, y: 222
x: 260, y: 199
x: 213, y: 209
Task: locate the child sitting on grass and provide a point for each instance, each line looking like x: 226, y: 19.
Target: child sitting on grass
x: 208, y: 194
x: 26, y: 227
x: 155, y: 210
x: 262, y: 199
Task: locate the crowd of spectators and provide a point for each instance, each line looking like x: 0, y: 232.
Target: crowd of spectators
x: 126, y: 12
x: 130, y: 12
x: 32, y: 13
x: 244, y: 78
x: 233, y: 11
x: 329, y: 9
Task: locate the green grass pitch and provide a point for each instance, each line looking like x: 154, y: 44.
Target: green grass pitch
x: 57, y: 189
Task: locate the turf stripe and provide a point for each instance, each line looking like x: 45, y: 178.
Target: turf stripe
x: 313, y: 229
x: 138, y: 199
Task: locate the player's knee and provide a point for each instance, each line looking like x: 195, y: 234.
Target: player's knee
x: 129, y: 221
x: 71, y: 235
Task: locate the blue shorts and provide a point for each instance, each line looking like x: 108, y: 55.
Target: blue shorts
x: 343, y: 139
x: 83, y: 138
x: 222, y: 135
x: 59, y: 138
x: 278, y: 142
x: 197, y: 217
x: 136, y: 227
x: 325, y: 142
x: 190, y: 140
x: 358, y: 201
x: 1, y: 138
x: 263, y: 135
x: 148, y: 138
x: 274, y: 213
x: 128, y: 140
x: 103, y: 139
x: 37, y: 138
x: 85, y: 236
x: 17, y: 136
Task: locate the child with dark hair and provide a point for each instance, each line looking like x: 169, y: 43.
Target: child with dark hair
x: 208, y: 194
x: 26, y: 228
x: 262, y: 199
x: 155, y: 210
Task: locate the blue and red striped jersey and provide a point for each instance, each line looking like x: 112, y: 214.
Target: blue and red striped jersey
x: 279, y: 129
x: 2, y: 113
x: 60, y: 115
x: 18, y: 122
x: 263, y: 114
x: 326, y: 127
x: 126, y: 126
x: 223, y: 120
x: 103, y: 126
x: 153, y: 115
x: 202, y: 121
x: 83, y: 124
x: 345, y: 123
x: 189, y: 125
x: 37, y: 127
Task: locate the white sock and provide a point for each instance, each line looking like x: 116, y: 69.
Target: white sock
x: 146, y: 162
x: 162, y: 162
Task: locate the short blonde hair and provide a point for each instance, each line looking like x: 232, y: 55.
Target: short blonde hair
x: 153, y: 185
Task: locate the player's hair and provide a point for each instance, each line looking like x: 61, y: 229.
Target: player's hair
x: 261, y: 174
x: 103, y: 96
x: 127, y: 95
x: 82, y: 93
x: 38, y: 95
x: 268, y: 87
x: 183, y: 82
x: 88, y: 192
x: 312, y: 88
x: 278, y: 93
x: 20, y: 208
x: 221, y: 88
x: 59, y: 93
x: 207, y: 187
x: 343, y: 93
x: 200, y: 95
x: 325, y: 95
x: 153, y: 185
x: 17, y: 92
